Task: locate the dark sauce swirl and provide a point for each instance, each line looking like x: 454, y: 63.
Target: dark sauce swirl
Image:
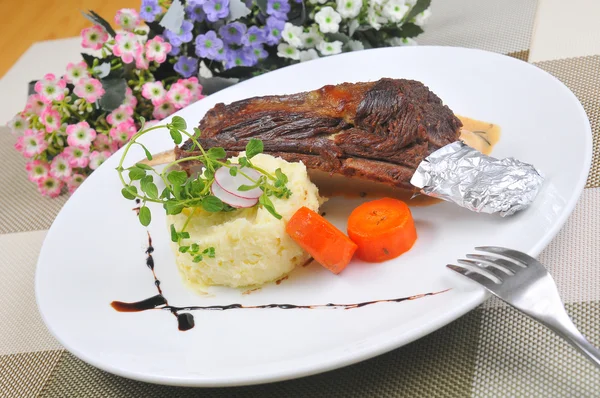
x: 185, y: 320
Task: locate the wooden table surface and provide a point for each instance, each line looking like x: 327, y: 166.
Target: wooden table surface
x: 30, y: 21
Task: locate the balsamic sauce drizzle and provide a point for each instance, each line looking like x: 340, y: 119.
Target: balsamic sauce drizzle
x: 185, y: 320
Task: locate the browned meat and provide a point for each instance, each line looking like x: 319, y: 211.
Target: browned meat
x: 378, y: 131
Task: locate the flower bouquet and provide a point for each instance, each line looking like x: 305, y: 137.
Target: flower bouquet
x: 163, y: 59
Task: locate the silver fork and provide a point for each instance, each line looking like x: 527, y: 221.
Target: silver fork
x: 524, y: 283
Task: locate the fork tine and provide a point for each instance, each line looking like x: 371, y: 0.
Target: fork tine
x: 499, y: 262
x: 474, y: 276
x: 512, y: 254
x: 501, y: 275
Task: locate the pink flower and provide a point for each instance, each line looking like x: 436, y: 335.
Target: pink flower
x: 157, y: 49
x: 194, y: 87
x: 50, y: 119
x: 37, y: 170
x: 105, y: 143
x: 163, y: 109
x: 154, y: 91
x: 60, y: 167
x: 76, y: 156
x: 31, y: 144
x: 74, y: 182
x: 50, y: 186
x: 123, y: 132
x: 130, y: 99
x: 89, y: 89
x: 50, y: 88
x: 80, y: 135
x: 141, y: 62
x: 128, y: 19
x: 76, y: 72
x: 18, y: 124
x: 120, y: 115
x: 93, y: 37
x: 127, y: 47
x: 179, y: 96
x: 97, y: 158
x: 35, y: 104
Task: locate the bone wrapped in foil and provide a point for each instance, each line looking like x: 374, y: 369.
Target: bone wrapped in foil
x: 463, y: 175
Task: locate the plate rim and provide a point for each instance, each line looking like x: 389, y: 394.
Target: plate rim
x: 353, y: 357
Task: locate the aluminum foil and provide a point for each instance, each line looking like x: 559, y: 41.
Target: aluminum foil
x: 460, y: 174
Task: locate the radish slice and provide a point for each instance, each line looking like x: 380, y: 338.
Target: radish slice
x: 231, y: 199
x: 231, y: 183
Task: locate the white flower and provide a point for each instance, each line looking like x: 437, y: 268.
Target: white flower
x: 312, y: 38
x: 335, y: 47
x: 355, y: 45
x: 401, y: 41
x: 308, y: 55
x: 422, y: 18
x: 349, y: 8
x: 395, y: 10
x: 292, y: 34
x: 375, y: 19
x: 18, y: 124
x: 318, y: 1
x: 373, y: 3
x: 410, y: 2
x: 328, y: 20
x: 287, y: 51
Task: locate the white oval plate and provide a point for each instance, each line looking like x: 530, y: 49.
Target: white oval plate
x: 94, y: 251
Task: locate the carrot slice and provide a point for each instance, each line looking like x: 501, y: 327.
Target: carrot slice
x: 383, y: 229
x: 321, y: 239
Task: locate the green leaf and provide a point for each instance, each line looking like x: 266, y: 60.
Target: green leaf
x: 418, y: 8
x: 197, y: 132
x: 98, y: 20
x: 146, y: 151
x: 337, y: 36
x: 88, y: 59
x: 216, y: 153
x: 177, y: 177
x: 196, y: 187
x: 210, y: 252
x: 212, y: 204
x: 174, y: 234
x: 233, y: 171
x: 179, y: 123
x: 267, y: 204
x: 129, y: 192
x: 165, y: 194
x: 254, y: 147
x: 411, y: 30
x: 209, y: 174
x: 176, y: 136
x: 145, y: 216
x: 184, y: 235
x: 244, y: 188
x: 297, y: 15
x: 173, y: 207
x: 184, y: 249
x: 198, y: 258
x: 143, y: 166
x: 136, y: 173
x: 114, y: 94
x: 151, y: 190
x: 280, y: 176
x: 195, y: 247
x: 262, y: 5
x: 244, y: 162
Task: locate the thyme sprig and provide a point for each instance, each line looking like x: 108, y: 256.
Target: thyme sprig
x: 193, y: 191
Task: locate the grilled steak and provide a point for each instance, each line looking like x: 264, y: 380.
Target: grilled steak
x: 377, y: 131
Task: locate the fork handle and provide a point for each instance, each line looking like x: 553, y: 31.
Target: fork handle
x: 565, y: 328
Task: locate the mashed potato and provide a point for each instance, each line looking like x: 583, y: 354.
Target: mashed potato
x: 251, y: 246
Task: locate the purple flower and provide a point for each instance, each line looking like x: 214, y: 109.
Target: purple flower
x: 186, y: 66
x: 216, y: 9
x: 208, y: 44
x: 239, y: 57
x: 175, y: 50
x: 149, y: 10
x: 259, y: 52
x: 254, y: 36
x: 232, y: 33
x: 194, y: 10
x: 274, y: 28
x: 221, y: 53
x: 183, y: 36
x: 278, y: 8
